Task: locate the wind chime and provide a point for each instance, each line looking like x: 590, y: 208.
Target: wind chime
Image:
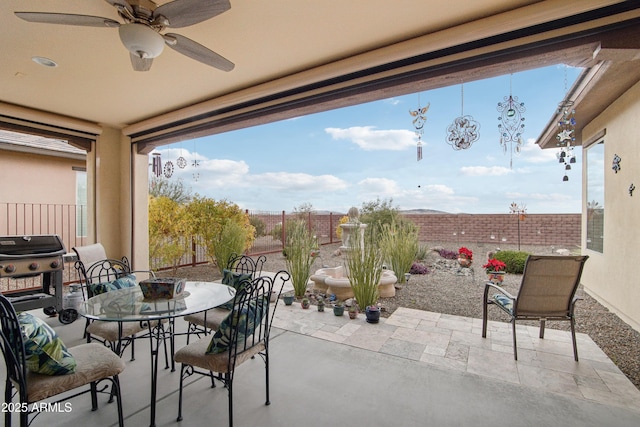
x: 566, y: 136
x: 156, y: 164
x: 511, y: 124
x: 464, y: 130
x: 419, y: 120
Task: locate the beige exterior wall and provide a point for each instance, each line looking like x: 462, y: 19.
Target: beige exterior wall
x: 35, y: 178
x: 611, y: 276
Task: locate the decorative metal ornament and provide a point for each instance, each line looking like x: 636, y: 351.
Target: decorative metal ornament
x: 616, y: 163
x: 511, y: 124
x: 419, y: 120
x: 168, y: 169
x: 631, y: 188
x: 464, y: 130
x: 195, y: 163
x: 566, y: 136
x: 181, y: 162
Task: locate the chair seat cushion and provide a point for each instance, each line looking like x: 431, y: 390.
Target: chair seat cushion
x: 94, y: 361
x: 245, y: 320
x: 195, y: 354
x: 504, y: 301
x: 44, y: 350
x: 128, y: 281
x: 214, y: 318
x: 109, y: 330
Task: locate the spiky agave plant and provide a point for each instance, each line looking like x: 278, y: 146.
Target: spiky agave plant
x: 400, y: 244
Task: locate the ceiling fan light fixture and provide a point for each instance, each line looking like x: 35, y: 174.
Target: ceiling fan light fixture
x: 141, y: 40
x: 45, y: 62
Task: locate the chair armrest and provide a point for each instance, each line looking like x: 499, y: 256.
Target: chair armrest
x: 498, y: 288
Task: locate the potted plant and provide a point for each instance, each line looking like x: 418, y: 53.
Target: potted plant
x: 373, y: 314
x: 353, y: 312
x: 465, y: 257
x: 495, y: 270
x: 320, y: 304
x: 338, y: 308
x: 305, y: 303
x: 364, y: 264
x: 288, y: 299
x: 298, y: 249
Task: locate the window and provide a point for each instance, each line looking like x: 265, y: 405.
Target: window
x: 595, y: 197
x: 81, y: 203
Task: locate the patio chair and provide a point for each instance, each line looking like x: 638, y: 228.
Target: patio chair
x: 242, y: 335
x: 239, y: 268
x: 547, y: 292
x: 34, y: 372
x: 104, y: 276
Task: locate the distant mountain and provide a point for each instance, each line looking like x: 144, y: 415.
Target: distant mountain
x: 422, y: 211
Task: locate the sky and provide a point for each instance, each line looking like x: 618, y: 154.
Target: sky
x: 346, y: 157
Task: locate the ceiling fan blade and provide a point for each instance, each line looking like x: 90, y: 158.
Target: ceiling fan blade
x: 182, y: 13
x: 196, y: 51
x: 67, y: 19
x: 140, y: 64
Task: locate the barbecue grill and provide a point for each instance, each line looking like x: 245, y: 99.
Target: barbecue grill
x: 32, y: 256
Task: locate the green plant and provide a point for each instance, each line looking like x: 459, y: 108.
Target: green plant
x: 400, y: 244
x: 364, y: 265
x: 514, y: 260
x: 231, y: 240
x: 378, y: 212
x: 494, y: 265
x: 298, y: 249
x: 168, y: 226
x: 423, y: 250
x: 259, y: 225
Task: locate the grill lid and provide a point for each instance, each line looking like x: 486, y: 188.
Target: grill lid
x: 18, y: 247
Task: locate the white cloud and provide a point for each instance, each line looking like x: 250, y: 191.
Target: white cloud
x: 532, y: 153
x: 297, y: 181
x: 485, y: 171
x: 369, y: 139
x: 379, y: 186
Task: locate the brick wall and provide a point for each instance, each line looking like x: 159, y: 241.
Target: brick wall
x: 535, y: 229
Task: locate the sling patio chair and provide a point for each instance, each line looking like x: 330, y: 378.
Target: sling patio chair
x: 547, y: 292
x: 242, y: 335
x: 240, y: 269
x: 39, y: 366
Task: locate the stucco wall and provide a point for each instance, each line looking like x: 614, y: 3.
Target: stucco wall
x: 611, y: 276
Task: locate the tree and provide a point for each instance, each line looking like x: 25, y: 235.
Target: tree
x: 168, y: 232
x: 174, y: 190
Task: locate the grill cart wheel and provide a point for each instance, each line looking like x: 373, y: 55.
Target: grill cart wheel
x: 67, y: 316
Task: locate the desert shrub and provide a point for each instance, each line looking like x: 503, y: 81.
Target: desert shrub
x: 417, y: 268
x: 259, y: 225
x: 423, y: 250
x: 231, y: 240
x: 343, y: 220
x: 377, y: 213
x: 448, y: 254
x: 300, y: 243
x: 515, y: 260
x: 364, y: 266
x: 400, y: 245
x: 167, y: 227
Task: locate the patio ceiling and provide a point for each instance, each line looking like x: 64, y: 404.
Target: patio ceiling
x: 291, y: 58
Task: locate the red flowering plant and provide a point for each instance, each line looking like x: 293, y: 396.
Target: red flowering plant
x: 467, y: 253
x: 493, y: 265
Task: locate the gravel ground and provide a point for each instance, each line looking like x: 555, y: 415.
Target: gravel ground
x: 452, y: 290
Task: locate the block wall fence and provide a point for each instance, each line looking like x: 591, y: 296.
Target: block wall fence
x: 535, y: 229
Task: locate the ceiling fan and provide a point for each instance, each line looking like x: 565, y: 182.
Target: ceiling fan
x: 144, y: 21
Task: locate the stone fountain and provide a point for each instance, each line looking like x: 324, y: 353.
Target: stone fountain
x: 333, y: 280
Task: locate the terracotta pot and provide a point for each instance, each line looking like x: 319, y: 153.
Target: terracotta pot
x: 496, y: 276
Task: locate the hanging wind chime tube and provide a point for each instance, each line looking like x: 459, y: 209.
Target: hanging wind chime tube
x: 511, y: 124
x: 464, y: 130
x: 156, y: 165
x: 419, y: 119
x: 566, y: 136
x: 195, y: 163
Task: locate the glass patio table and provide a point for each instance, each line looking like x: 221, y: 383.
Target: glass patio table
x: 129, y: 305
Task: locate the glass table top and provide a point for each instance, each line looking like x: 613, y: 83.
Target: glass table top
x: 130, y: 305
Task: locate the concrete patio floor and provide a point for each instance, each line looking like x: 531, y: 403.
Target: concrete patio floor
x: 414, y: 368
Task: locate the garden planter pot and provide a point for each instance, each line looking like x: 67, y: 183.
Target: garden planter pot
x: 353, y: 314
x: 305, y: 303
x: 338, y: 310
x: 373, y: 314
x: 496, y: 276
x: 288, y: 299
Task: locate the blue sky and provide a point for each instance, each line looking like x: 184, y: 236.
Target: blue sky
x: 342, y: 158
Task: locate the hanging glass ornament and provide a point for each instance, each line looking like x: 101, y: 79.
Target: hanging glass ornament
x: 511, y: 124
x: 566, y: 136
x: 464, y: 130
x: 419, y: 119
x: 195, y: 163
x: 181, y: 162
